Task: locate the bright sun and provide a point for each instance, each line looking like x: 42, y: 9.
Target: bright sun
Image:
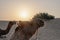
x: 24, y: 15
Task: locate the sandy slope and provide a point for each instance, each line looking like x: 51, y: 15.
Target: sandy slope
x: 50, y: 31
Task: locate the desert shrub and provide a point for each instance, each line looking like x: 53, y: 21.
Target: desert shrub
x: 44, y: 16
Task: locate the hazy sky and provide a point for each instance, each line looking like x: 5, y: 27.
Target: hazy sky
x: 9, y: 9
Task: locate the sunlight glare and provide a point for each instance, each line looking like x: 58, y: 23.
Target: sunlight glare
x: 24, y: 15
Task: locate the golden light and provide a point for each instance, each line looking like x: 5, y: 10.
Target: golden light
x: 24, y: 15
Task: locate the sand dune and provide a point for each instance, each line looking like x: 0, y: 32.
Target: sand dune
x: 50, y: 31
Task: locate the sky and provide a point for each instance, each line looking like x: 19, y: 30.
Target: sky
x: 10, y: 9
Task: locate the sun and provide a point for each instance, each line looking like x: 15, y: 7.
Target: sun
x: 24, y: 15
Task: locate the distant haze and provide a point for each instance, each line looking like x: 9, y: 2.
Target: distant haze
x: 9, y: 8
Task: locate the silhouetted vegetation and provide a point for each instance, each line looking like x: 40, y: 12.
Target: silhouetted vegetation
x: 44, y: 16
